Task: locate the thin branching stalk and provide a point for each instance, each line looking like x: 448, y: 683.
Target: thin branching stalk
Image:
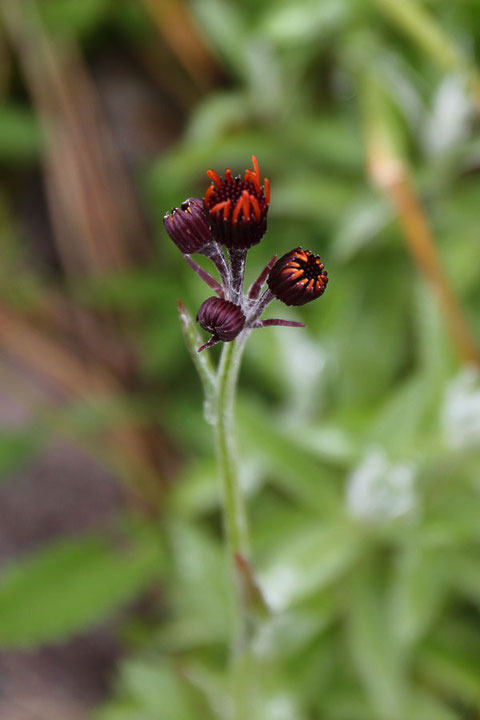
x: 235, y: 517
x: 235, y: 522
x: 239, y: 222
x: 237, y: 263
x: 220, y: 391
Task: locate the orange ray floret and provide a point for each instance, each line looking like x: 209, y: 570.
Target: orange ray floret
x: 237, y: 208
x: 256, y: 179
x: 215, y: 177
x: 267, y: 190
x: 296, y: 274
x: 256, y: 207
x: 301, y: 255
x: 226, y: 209
x: 224, y: 205
x: 210, y: 190
x: 246, y: 205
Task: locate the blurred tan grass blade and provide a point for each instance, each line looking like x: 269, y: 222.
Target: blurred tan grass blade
x: 389, y: 172
x: 182, y: 34
x: 97, y: 224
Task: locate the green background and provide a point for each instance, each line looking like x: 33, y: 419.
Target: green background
x: 359, y: 435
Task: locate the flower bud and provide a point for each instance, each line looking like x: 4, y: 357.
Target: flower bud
x: 223, y: 319
x: 298, y: 277
x: 188, y: 226
x: 237, y: 207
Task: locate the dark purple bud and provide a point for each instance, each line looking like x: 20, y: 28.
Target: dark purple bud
x: 237, y: 207
x: 223, y: 319
x: 298, y: 277
x: 188, y: 226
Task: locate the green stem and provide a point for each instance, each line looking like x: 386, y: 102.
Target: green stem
x: 235, y: 524
x: 234, y: 508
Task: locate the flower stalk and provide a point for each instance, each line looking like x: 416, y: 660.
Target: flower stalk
x: 227, y: 379
x: 219, y: 405
x: 233, y: 213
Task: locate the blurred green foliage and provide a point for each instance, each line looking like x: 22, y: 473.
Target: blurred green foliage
x: 359, y: 436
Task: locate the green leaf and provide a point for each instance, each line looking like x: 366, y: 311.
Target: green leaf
x: 308, y: 561
x: 451, y: 661
x: 148, y: 690
x: 69, y: 585
x: 224, y: 24
x: 301, y: 473
x: 360, y: 226
x: 200, y: 594
x: 417, y: 592
x: 216, y: 114
x: 411, y: 17
x: 373, y: 646
x: 292, y: 24
x: 403, y: 421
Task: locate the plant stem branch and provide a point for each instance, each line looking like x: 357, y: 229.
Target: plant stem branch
x: 237, y: 265
x: 235, y: 525
x: 235, y: 517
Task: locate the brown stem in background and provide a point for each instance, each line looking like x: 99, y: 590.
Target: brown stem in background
x: 97, y: 223
x: 392, y: 178
x: 180, y: 31
x: 390, y: 173
x: 98, y: 229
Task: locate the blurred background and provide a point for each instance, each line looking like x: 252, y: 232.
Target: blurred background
x: 359, y: 436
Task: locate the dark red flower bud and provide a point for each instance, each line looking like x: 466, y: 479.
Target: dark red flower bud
x: 237, y: 207
x: 188, y: 226
x: 222, y: 318
x: 298, y: 277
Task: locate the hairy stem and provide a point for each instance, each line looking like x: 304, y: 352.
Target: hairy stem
x: 237, y: 264
x: 235, y: 519
x: 214, y: 253
x: 235, y: 524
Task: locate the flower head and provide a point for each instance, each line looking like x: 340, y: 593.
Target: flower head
x: 237, y: 207
x: 188, y: 226
x: 298, y: 277
x: 223, y: 319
